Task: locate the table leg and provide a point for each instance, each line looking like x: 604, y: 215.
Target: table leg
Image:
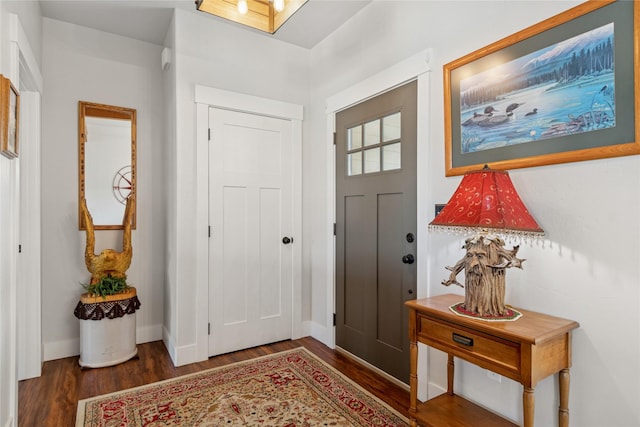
x: 563, y: 410
x: 413, y: 373
x: 528, y: 405
x: 450, y: 372
x: 413, y: 382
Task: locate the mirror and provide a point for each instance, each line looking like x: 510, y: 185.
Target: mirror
x: 107, y: 163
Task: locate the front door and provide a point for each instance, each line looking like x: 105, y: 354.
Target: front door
x: 250, y: 247
x: 376, y: 228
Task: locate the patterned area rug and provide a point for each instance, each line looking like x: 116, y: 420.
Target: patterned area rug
x: 288, y: 389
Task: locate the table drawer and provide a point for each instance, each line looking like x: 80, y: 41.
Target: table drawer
x: 486, y: 350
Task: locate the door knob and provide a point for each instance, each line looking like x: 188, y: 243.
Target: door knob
x: 286, y: 240
x: 408, y: 259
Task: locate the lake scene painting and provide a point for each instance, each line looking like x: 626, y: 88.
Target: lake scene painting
x: 563, y: 89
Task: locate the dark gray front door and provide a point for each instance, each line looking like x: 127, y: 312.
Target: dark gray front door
x: 376, y: 228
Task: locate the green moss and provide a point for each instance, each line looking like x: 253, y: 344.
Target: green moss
x: 107, y: 285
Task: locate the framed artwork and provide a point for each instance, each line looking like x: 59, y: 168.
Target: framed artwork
x: 9, y: 118
x: 563, y: 90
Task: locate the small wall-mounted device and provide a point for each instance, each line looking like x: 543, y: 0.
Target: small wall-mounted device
x: 166, y: 59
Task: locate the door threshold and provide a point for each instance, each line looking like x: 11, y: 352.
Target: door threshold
x: 377, y: 370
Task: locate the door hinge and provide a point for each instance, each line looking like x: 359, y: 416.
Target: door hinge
x: 209, y: 134
x: 334, y: 228
x: 208, y: 328
x: 334, y: 319
x: 19, y: 249
x: 335, y: 137
x: 209, y: 231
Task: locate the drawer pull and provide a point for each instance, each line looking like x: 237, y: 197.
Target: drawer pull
x: 463, y: 340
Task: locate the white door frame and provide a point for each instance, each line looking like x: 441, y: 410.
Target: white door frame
x: 25, y: 74
x: 206, y: 97
x: 417, y: 67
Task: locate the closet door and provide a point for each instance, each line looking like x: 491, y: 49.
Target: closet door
x: 250, y: 248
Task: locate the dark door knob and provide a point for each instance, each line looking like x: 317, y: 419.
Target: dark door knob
x: 408, y: 259
x: 286, y: 240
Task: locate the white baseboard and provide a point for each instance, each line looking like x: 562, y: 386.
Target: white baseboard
x: 434, y: 390
x: 186, y: 354
x: 60, y: 349
x: 148, y: 333
x: 69, y: 348
x: 324, y: 334
x: 180, y: 355
x: 167, y: 338
x: 303, y: 331
x: 183, y: 355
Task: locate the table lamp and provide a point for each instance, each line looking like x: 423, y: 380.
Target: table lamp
x: 487, y: 204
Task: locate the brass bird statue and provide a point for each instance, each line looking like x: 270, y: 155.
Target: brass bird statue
x: 109, y: 262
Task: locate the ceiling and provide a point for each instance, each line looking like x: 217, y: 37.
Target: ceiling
x: 148, y: 20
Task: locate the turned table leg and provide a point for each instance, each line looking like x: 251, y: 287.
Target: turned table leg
x: 528, y: 405
x: 450, y: 372
x: 413, y: 374
x: 413, y: 383
x: 563, y: 410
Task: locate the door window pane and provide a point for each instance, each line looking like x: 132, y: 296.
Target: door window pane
x: 391, y: 157
x: 391, y: 127
x: 354, y: 163
x: 372, y: 133
x: 368, y: 151
x: 354, y: 138
x: 372, y: 160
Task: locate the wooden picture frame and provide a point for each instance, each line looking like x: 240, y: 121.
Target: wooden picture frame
x: 564, y: 90
x: 9, y: 118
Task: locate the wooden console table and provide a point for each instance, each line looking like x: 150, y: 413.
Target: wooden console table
x: 526, y: 350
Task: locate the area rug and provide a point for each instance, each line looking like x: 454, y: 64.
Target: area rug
x: 288, y: 389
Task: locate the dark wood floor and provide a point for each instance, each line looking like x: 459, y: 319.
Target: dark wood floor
x: 51, y: 400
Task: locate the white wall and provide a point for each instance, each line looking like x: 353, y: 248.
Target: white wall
x: 586, y: 272
x: 89, y: 65
x: 211, y: 53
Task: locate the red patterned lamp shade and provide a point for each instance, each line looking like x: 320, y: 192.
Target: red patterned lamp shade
x: 486, y: 199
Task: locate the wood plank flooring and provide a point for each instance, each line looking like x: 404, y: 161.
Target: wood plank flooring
x: 51, y: 400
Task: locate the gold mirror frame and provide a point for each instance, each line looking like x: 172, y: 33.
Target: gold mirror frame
x: 88, y: 110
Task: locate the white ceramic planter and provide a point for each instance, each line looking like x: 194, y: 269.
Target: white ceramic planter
x: 107, y: 342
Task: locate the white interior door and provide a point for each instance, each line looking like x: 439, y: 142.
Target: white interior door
x: 250, y: 247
